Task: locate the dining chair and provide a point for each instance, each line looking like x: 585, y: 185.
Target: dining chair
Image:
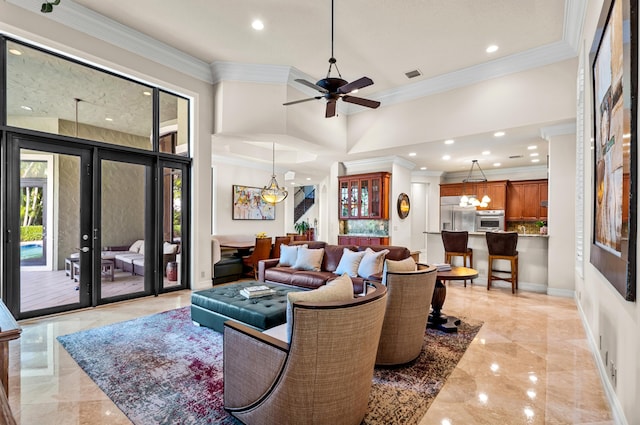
x: 502, y: 246
x: 279, y: 240
x: 456, y: 245
x: 261, y: 251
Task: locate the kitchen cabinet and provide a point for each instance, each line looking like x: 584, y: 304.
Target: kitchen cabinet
x: 363, y: 240
x: 524, y: 199
x: 364, y: 196
x: 496, y: 190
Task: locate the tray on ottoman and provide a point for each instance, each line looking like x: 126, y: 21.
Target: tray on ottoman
x: 212, y: 307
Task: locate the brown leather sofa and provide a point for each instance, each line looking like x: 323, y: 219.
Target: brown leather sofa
x: 270, y: 272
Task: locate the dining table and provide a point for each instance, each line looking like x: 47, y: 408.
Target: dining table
x: 242, y: 247
x: 437, y: 320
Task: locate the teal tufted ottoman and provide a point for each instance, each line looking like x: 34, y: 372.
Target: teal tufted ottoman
x: 212, y: 307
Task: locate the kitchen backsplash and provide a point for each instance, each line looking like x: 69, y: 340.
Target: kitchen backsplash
x: 364, y: 227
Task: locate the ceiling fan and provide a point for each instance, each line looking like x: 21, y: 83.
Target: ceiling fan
x: 333, y: 88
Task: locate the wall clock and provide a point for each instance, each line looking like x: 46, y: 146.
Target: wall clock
x: 403, y: 205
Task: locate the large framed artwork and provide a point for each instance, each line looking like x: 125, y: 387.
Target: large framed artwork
x: 614, y: 83
x: 249, y: 205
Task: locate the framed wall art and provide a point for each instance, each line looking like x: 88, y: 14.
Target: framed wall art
x: 249, y: 205
x: 614, y: 107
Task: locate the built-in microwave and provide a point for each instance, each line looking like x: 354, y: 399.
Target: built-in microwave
x: 489, y: 220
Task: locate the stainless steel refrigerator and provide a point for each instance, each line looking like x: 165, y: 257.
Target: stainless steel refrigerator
x: 455, y: 217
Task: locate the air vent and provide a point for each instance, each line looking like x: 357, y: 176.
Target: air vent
x: 413, y: 74
x: 515, y: 156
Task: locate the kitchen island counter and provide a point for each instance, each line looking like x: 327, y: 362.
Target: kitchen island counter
x: 532, y: 259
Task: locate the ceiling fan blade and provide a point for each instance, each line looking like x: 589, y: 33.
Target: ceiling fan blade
x: 362, y: 102
x: 331, y: 109
x: 312, y: 85
x: 355, y: 85
x: 302, y: 100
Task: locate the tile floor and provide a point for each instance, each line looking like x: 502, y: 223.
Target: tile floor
x: 529, y: 364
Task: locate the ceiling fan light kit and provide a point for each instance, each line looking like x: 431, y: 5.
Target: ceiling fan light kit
x: 332, y: 88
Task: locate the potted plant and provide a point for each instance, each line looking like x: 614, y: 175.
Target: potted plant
x: 301, y: 227
x: 542, y: 225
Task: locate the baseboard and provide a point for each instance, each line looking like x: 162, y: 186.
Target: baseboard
x: 524, y: 286
x: 565, y: 293
x: 614, y: 403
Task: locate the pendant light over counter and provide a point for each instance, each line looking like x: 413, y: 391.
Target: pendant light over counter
x: 471, y: 200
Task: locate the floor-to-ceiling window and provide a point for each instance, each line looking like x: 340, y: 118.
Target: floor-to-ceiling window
x: 95, y: 184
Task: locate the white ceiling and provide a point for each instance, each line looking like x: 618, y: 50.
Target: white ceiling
x: 381, y: 39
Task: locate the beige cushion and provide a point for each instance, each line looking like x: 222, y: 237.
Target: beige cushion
x: 406, y: 265
x: 338, y: 289
x: 372, y: 262
x: 309, y: 259
x: 289, y: 254
x: 349, y: 262
x: 169, y: 248
x: 135, y: 247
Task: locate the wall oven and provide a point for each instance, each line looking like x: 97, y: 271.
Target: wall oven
x: 489, y: 220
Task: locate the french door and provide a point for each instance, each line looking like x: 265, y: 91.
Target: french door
x: 85, y: 217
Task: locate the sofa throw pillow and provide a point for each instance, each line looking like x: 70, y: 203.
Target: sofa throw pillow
x: 169, y: 248
x: 288, y: 254
x: 406, y: 265
x: 309, y: 259
x: 338, y: 289
x: 372, y: 262
x: 349, y: 262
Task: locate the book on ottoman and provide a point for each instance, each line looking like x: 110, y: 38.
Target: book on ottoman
x: 256, y: 291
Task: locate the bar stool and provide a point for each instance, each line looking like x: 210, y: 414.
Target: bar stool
x: 455, y: 245
x: 502, y: 246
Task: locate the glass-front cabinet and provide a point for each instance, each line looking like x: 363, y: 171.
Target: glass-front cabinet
x: 364, y: 196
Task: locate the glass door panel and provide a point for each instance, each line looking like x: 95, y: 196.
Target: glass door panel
x: 364, y: 198
x: 172, y: 227
x: 49, y: 218
x: 124, y: 262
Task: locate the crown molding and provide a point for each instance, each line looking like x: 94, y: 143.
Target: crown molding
x: 498, y: 172
x: 250, y: 73
x: 379, y: 163
x: 547, y: 133
x: 574, y: 14
x: 85, y: 20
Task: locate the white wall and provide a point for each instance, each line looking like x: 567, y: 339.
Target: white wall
x: 606, y: 314
x: 400, y: 230
x: 228, y: 174
x: 419, y: 203
x: 561, y: 219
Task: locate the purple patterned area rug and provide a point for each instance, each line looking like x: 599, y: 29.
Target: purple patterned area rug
x: 162, y: 369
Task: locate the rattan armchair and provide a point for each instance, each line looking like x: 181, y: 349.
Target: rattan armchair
x: 323, y: 376
x: 408, y: 302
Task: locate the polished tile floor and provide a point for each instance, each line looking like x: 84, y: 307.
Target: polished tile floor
x: 529, y: 364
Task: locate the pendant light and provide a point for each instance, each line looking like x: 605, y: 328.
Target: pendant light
x: 472, y: 201
x: 272, y: 193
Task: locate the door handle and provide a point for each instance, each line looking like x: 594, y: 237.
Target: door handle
x: 84, y: 249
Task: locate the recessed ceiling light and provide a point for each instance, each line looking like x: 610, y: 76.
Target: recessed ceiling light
x: 108, y: 119
x: 486, y: 152
x: 146, y: 93
x: 308, y: 178
x: 27, y: 108
x: 257, y: 25
x: 498, y: 134
x: 412, y: 154
x: 626, y: 136
x: 496, y: 164
x: 534, y: 154
x: 532, y: 147
x: 15, y: 52
x: 492, y: 48
x: 423, y: 168
x: 449, y: 142
x: 293, y: 183
x: 535, y: 160
x: 446, y: 157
